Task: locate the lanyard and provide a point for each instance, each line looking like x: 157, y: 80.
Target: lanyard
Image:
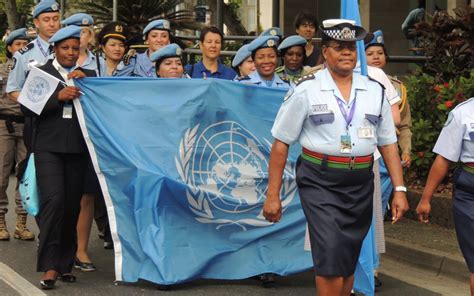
x: 350, y: 116
x: 45, y: 54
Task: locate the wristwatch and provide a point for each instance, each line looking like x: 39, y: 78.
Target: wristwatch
x: 400, y: 189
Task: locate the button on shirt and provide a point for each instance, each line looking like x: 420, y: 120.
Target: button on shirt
x: 456, y: 140
x: 200, y: 71
x: 254, y: 78
x: 311, y: 115
x: 39, y: 53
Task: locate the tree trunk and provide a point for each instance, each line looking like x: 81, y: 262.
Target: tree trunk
x: 12, y: 14
x: 231, y: 20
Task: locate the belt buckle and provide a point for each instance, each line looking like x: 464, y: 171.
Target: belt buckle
x: 352, y: 163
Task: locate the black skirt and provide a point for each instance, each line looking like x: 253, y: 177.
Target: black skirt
x: 338, y: 206
x: 91, y: 182
x: 463, y: 210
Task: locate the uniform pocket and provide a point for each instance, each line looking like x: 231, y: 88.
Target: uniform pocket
x: 471, y: 136
x: 373, y: 119
x: 323, y: 118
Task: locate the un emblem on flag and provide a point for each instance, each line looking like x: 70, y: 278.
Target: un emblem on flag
x: 37, y: 88
x: 225, y: 167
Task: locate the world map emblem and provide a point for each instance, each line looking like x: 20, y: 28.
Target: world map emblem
x: 225, y: 168
x: 37, y: 88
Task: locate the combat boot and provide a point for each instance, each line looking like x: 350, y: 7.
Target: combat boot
x: 21, y: 232
x: 4, y: 235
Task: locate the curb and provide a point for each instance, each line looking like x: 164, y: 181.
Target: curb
x: 441, y: 263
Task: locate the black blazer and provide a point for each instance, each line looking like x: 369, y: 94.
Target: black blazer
x: 54, y: 133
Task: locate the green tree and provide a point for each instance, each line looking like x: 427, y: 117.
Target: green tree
x: 138, y: 13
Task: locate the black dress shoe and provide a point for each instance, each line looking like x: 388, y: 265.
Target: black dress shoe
x: 84, y: 266
x: 267, y: 279
x: 67, y: 278
x: 47, y: 284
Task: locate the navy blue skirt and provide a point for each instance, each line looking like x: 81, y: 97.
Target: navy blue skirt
x: 338, y: 205
x: 463, y: 209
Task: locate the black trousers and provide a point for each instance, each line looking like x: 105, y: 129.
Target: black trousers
x: 60, y: 178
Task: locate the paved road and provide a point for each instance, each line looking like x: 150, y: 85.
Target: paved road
x: 17, y: 267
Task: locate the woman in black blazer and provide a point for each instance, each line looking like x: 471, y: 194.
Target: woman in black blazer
x: 60, y: 160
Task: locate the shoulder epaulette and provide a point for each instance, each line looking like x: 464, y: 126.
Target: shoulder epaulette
x: 304, y: 78
x: 280, y: 69
x: 465, y: 102
x: 28, y: 47
x: 374, y: 80
x: 242, y: 78
x: 130, y: 54
x: 313, y: 70
x: 394, y: 79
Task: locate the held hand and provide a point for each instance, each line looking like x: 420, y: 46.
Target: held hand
x: 69, y: 93
x: 399, y: 206
x: 406, y: 160
x: 423, y: 210
x: 272, y: 209
x: 76, y: 74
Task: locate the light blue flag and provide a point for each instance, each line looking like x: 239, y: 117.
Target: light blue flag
x: 183, y: 166
x: 368, y: 259
x: 350, y: 11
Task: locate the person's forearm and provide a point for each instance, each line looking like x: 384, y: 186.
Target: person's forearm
x: 396, y: 115
x: 13, y: 96
x: 438, y: 171
x: 393, y: 163
x: 278, y: 157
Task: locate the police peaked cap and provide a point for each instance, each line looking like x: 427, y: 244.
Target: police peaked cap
x: 342, y: 30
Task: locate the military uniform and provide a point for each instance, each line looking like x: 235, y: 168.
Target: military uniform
x: 456, y: 143
x: 12, y: 148
x: 289, y: 76
x: 255, y: 79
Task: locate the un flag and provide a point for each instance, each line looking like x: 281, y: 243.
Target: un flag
x: 183, y: 165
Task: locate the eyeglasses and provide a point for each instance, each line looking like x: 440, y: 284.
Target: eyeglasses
x: 341, y: 46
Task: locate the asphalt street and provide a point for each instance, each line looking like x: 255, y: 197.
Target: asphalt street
x: 18, y: 277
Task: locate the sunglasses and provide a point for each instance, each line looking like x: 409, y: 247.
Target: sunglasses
x: 341, y: 46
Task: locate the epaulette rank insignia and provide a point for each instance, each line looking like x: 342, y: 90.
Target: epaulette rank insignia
x: 304, y: 78
x: 27, y: 48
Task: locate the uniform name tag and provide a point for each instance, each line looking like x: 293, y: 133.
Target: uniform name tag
x: 346, y: 144
x: 366, y: 132
x: 321, y: 108
x: 67, y: 112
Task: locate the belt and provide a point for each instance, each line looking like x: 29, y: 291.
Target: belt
x: 9, y: 119
x: 468, y: 167
x: 339, y: 162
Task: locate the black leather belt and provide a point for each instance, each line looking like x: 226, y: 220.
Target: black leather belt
x: 9, y: 119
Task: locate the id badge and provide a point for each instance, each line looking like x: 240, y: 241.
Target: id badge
x: 67, y: 111
x: 346, y: 144
x: 366, y: 132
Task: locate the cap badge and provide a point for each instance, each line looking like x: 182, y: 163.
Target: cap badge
x: 54, y: 6
x: 118, y: 28
x: 346, y: 33
x: 85, y: 21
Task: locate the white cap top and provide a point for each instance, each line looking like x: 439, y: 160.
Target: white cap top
x: 333, y: 22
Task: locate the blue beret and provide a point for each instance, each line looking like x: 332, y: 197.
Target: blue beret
x: 66, y: 33
x: 168, y: 51
x: 273, y: 31
x: 157, y: 25
x: 45, y: 6
x: 263, y: 41
x: 242, y: 54
x: 79, y: 19
x: 291, y: 41
x: 17, y: 34
x: 377, y: 39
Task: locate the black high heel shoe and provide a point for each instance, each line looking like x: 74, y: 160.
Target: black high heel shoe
x: 84, y: 266
x: 67, y: 278
x: 47, y: 284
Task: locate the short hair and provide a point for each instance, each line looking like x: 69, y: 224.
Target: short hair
x: 303, y: 18
x: 212, y: 29
x: 158, y: 63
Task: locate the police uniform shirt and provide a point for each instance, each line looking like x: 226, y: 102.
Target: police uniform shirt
x: 37, y: 51
x: 7, y: 106
x: 90, y: 63
x: 255, y: 79
x: 456, y: 140
x: 311, y: 115
x: 120, y: 70
x: 200, y: 71
x: 143, y: 66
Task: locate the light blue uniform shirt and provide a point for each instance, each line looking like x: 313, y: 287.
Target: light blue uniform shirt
x: 311, y: 115
x: 121, y: 69
x: 255, y: 79
x: 37, y: 51
x: 456, y: 140
x: 90, y: 63
x: 143, y: 66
